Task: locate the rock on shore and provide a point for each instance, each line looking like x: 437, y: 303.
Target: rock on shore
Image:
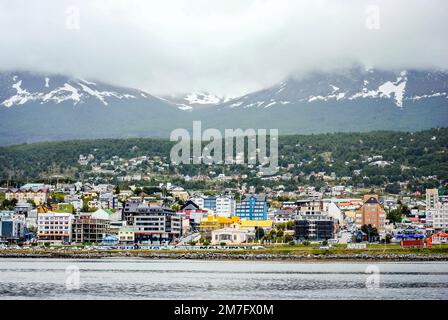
x: 228, y: 256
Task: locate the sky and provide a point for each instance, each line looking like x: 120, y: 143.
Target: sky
x: 225, y: 47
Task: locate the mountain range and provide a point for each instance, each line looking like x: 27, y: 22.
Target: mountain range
x: 40, y: 107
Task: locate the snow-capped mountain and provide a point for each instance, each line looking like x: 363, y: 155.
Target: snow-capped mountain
x: 195, y: 100
x: 19, y: 88
x: 37, y: 107
x: 355, y: 84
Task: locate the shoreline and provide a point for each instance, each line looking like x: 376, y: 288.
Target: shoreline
x: 221, y: 256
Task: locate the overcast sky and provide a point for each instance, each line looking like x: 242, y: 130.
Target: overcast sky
x: 228, y: 47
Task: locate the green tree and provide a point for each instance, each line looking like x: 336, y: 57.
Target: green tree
x: 371, y: 232
x: 259, y: 233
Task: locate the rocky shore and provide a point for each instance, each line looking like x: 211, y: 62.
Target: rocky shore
x: 228, y: 256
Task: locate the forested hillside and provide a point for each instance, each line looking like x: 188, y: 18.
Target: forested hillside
x: 409, y: 156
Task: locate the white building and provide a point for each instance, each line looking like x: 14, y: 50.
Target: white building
x: 335, y: 212
x: 199, y: 200
x: 54, y: 227
x: 225, y: 206
x: 232, y: 235
x: 436, y: 210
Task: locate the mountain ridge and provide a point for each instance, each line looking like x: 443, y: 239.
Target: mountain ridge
x: 38, y: 107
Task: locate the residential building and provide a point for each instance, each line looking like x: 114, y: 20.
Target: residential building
x: 211, y: 223
x: 154, y: 224
x: 29, y: 192
x: 88, y: 228
x: 230, y: 236
x: 179, y: 193
x: 191, y: 212
x: 225, y: 205
x: 109, y: 200
x: 210, y: 203
x: 436, y: 210
x: 252, y: 225
x: 311, y: 206
x: 54, y: 227
x: 126, y: 235
x: 371, y: 212
x: 199, y: 201
x: 12, y: 230
x: 283, y: 216
x: 253, y: 207
x: 314, y: 228
x: 23, y: 208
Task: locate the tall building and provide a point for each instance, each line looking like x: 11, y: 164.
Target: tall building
x: 11, y: 229
x: 436, y: 210
x: 210, y: 203
x: 223, y: 205
x: 253, y: 207
x: 371, y: 212
x: 314, y: 227
x: 54, y: 227
x: 153, y: 224
x: 88, y: 228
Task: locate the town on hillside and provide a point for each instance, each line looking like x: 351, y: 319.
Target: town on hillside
x: 106, y: 216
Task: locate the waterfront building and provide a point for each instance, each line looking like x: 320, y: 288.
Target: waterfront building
x: 230, y: 236
x: 252, y: 225
x: 54, y: 227
x: 371, y: 212
x: 192, y: 213
x: 154, y: 224
x: 89, y: 228
x: 211, y: 223
x: 253, y: 207
x: 126, y: 235
x: 12, y: 230
x: 436, y: 210
x: 314, y: 228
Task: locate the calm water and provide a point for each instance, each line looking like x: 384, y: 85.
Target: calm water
x: 181, y: 279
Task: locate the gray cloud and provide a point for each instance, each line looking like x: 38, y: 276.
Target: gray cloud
x: 228, y: 46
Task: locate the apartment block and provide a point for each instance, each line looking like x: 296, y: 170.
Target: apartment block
x: 371, y: 212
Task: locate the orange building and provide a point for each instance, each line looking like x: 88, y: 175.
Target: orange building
x: 371, y: 212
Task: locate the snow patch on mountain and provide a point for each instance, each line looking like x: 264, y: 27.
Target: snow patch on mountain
x: 40, y: 89
x: 22, y: 96
x: 397, y: 89
x: 202, y: 98
x: 60, y: 95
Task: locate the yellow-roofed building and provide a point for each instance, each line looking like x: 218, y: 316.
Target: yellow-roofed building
x: 212, y: 222
x: 251, y: 225
x: 218, y: 222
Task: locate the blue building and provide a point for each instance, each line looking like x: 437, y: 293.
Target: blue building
x: 254, y: 207
x: 210, y: 203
